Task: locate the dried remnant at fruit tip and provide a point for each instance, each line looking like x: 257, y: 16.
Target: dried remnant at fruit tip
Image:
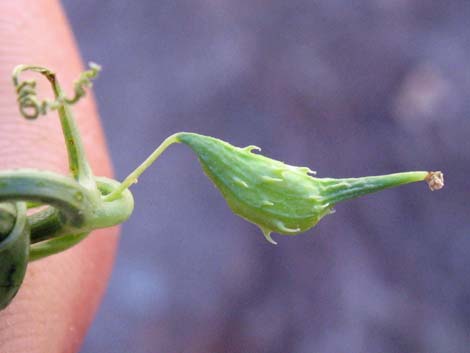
x: 435, y: 180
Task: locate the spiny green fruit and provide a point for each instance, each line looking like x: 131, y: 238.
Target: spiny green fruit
x: 278, y: 197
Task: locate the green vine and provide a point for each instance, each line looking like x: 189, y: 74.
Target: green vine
x: 275, y: 196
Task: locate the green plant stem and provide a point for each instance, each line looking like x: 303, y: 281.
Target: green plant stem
x: 134, y: 176
x: 54, y: 246
x: 7, y: 218
x: 70, y: 203
x: 78, y: 162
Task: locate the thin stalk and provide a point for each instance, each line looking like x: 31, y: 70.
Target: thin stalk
x: 134, y: 176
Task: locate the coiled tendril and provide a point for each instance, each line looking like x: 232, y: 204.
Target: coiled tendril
x: 31, y: 106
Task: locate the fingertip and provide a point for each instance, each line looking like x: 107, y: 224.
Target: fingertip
x: 60, y: 294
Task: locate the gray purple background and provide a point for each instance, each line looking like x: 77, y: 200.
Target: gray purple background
x: 348, y: 88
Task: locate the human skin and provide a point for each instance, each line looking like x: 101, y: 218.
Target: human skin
x: 61, y: 293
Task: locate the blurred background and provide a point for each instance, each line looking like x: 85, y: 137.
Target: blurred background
x: 348, y: 88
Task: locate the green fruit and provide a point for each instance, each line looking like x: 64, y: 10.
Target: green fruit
x: 275, y: 196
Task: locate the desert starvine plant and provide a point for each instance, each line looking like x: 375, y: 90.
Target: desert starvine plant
x: 64, y: 209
